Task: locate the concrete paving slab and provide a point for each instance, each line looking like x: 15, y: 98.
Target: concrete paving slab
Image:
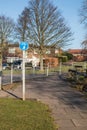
x: 70, y: 109
x: 84, y: 115
x: 3, y: 93
x: 80, y: 110
x: 67, y: 116
x: 65, y: 123
x: 72, y: 128
x: 80, y: 122
x: 59, y: 111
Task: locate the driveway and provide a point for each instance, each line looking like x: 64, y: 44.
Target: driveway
x: 69, y: 107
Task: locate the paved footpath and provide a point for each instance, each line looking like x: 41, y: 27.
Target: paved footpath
x: 69, y: 107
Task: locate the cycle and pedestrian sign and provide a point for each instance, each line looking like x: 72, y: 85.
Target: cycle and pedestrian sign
x: 24, y: 46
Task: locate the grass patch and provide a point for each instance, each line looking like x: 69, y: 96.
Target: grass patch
x: 24, y: 115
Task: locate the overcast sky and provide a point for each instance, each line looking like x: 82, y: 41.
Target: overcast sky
x: 68, y: 8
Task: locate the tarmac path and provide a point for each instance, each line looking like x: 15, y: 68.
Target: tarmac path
x: 69, y: 107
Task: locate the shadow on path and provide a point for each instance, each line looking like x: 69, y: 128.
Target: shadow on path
x: 10, y: 93
x: 58, y: 89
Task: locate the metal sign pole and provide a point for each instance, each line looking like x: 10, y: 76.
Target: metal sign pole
x: 23, y: 46
x: 23, y: 75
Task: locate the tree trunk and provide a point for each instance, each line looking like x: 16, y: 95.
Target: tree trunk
x: 41, y: 62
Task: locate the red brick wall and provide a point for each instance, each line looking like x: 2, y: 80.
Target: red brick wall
x: 51, y: 61
x: 78, y: 58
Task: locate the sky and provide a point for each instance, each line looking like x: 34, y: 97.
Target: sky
x: 69, y: 10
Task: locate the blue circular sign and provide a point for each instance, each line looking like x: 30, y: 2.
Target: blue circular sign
x: 24, y: 46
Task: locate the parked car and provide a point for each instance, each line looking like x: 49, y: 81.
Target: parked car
x: 5, y: 66
x: 17, y: 64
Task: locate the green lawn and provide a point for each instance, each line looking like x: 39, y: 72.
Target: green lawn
x: 24, y: 115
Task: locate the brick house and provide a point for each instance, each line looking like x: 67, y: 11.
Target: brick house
x: 78, y: 54
x: 32, y: 55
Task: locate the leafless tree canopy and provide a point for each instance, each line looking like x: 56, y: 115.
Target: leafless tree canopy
x: 42, y: 23
x: 22, y: 29
x: 83, y: 16
x: 6, y: 28
x: 47, y: 26
x: 84, y: 45
x: 83, y: 12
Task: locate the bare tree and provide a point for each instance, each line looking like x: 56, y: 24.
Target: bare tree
x: 6, y: 29
x: 6, y: 32
x: 43, y: 25
x: 22, y: 30
x: 84, y: 44
x: 47, y: 27
x: 83, y: 19
x: 83, y: 12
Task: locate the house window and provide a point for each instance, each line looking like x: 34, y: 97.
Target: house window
x: 12, y: 50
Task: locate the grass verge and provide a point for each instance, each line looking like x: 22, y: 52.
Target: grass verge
x: 24, y: 115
